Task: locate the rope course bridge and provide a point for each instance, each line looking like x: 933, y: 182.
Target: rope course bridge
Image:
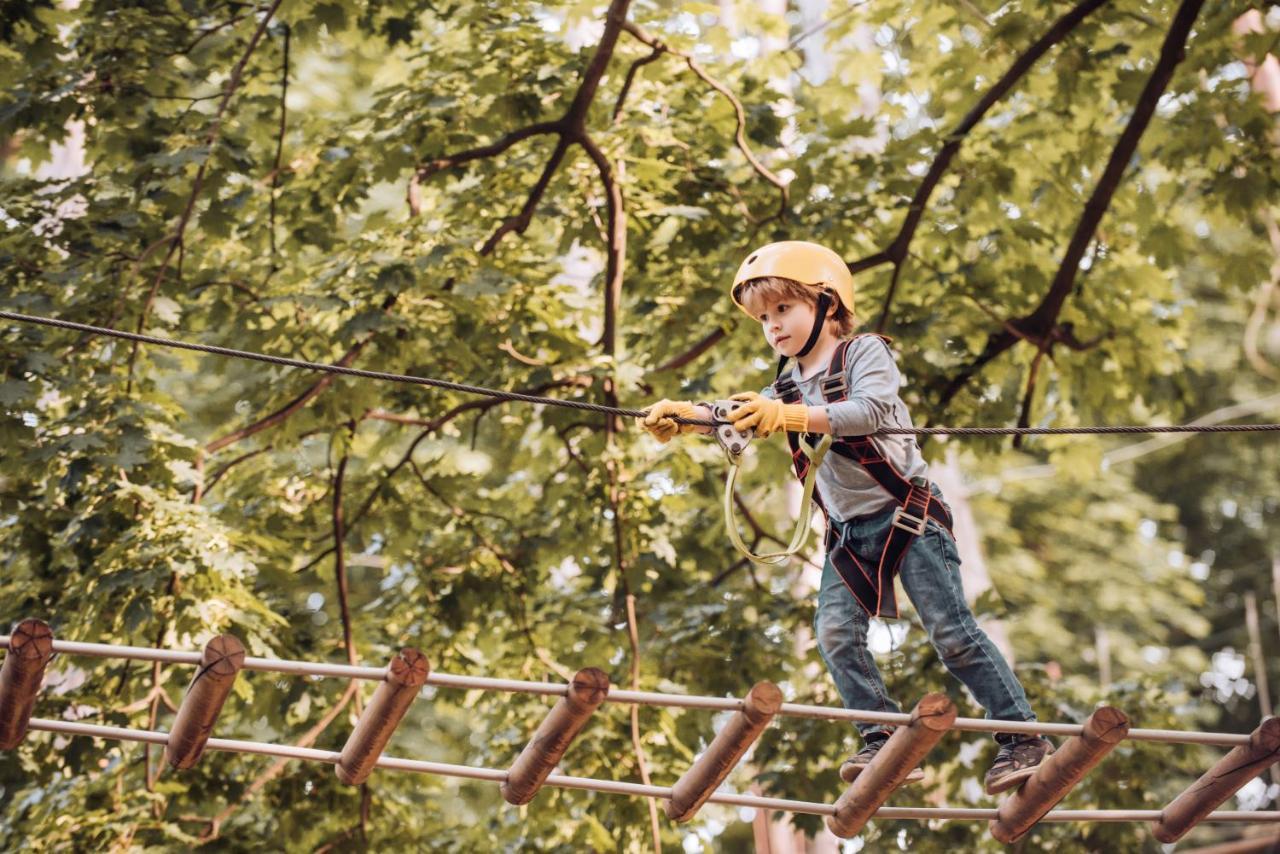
x: 31, y: 646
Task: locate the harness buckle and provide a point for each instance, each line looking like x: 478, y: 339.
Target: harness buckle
x: 731, y: 439
x: 834, y: 385
x: 919, y: 521
x: 784, y: 387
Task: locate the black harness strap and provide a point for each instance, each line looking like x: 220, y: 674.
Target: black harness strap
x: 873, y: 588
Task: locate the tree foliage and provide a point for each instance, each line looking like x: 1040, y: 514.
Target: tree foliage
x: 549, y: 199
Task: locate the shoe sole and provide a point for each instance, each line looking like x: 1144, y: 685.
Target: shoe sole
x: 1011, y: 780
x: 1015, y: 778
x: 849, y: 773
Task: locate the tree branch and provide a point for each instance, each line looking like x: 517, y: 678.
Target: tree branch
x: 571, y: 128
x: 340, y: 560
x: 1024, y: 416
x: 218, y: 475
x: 740, y: 132
x: 822, y: 25
x: 520, y: 222
x: 1171, y: 53
x: 631, y: 76
x: 896, y: 252
x: 431, y: 427
x: 616, y: 246
x: 568, y: 446
x: 283, y: 413
x: 693, y: 352
x: 1041, y: 323
x: 452, y: 161
x: 210, y: 31
x: 734, y: 567
x: 508, y: 566
x: 274, y: 769
x: 634, y: 637
x: 275, y: 171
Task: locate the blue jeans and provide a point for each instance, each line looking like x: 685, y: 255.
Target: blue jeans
x: 930, y: 573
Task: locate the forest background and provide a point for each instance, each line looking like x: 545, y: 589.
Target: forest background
x: 1063, y: 214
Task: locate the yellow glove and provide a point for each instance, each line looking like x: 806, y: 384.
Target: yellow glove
x: 768, y: 415
x: 660, y: 419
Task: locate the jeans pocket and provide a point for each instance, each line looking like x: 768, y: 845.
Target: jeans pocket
x: 948, y: 551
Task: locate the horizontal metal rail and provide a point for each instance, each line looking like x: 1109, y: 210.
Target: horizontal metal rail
x: 644, y: 698
x: 495, y: 775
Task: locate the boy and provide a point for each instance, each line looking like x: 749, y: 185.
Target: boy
x: 884, y: 519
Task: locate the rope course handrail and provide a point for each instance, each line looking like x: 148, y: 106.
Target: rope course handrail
x: 595, y: 407
x: 495, y: 775
x: 645, y: 698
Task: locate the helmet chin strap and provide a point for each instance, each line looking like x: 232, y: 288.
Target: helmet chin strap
x: 824, y: 303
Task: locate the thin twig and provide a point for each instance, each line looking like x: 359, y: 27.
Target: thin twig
x: 631, y: 76
x: 293, y: 406
x: 174, y: 240
x: 822, y: 25
x: 431, y: 427
x: 339, y: 558
x: 634, y: 635
x: 740, y: 132
x: 273, y: 770
x: 275, y: 171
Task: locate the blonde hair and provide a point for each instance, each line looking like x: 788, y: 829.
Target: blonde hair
x: 774, y: 288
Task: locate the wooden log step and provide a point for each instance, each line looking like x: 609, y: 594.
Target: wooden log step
x: 30, y: 648
x: 1059, y: 773
x: 587, y: 690
x: 1228, y: 775
x: 726, y: 749
x: 222, y: 659
x: 406, y: 674
x: 908, y: 745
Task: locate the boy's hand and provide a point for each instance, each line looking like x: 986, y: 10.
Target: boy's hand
x: 768, y: 416
x: 660, y: 420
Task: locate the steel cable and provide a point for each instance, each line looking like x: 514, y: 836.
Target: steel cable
x: 596, y: 407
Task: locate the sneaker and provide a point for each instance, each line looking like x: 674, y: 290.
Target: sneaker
x: 1015, y: 762
x: 855, y: 765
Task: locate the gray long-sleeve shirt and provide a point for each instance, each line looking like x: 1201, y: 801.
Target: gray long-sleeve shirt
x: 872, y: 402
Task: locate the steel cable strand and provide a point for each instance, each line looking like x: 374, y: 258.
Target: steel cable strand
x: 596, y: 407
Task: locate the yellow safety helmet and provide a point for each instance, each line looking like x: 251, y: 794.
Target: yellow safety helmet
x: 800, y: 261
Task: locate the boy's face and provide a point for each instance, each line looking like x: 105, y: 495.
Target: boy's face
x: 786, y: 323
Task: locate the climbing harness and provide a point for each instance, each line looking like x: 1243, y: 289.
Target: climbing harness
x: 873, y: 589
